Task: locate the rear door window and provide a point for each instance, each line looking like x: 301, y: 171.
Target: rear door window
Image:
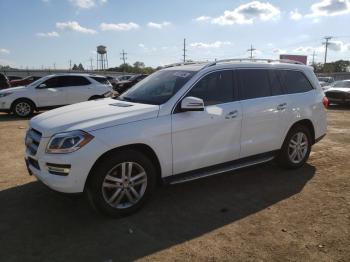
x: 294, y: 82
x: 66, y: 81
x: 254, y: 83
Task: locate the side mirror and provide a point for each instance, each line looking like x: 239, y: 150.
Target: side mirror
x: 191, y: 103
x: 41, y: 86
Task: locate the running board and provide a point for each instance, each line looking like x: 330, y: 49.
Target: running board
x: 206, y: 172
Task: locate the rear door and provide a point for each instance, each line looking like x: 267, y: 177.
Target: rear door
x: 79, y: 88
x: 265, y: 111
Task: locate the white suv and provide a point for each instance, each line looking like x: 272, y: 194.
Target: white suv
x: 179, y: 124
x: 53, y: 91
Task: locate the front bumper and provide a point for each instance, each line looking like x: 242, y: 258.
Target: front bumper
x: 77, y: 165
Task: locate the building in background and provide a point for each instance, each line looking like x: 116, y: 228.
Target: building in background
x: 298, y: 58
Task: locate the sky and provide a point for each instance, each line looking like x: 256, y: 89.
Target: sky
x: 50, y: 33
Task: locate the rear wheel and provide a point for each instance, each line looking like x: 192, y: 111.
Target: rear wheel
x: 120, y: 184
x: 296, y: 147
x: 23, y: 108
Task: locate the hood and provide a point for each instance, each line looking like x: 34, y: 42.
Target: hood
x: 14, y: 89
x: 92, y: 115
x: 339, y: 89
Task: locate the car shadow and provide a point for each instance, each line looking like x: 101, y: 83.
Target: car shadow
x: 4, y: 117
x: 37, y: 224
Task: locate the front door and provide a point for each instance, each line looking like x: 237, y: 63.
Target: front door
x: 205, y: 138
x: 53, y: 94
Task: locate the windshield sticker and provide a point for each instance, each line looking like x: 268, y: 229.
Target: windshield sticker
x: 182, y: 74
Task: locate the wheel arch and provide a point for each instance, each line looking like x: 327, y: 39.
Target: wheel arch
x: 307, y: 123
x: 23, y: 99
x: 143, y: 148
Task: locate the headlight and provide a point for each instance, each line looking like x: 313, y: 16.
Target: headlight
x: 5, y: 94
x: 63, y: 143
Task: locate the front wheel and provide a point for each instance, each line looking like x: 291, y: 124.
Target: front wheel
x: 120, y: 184
x: 23, y: 108
x: 296, y: 147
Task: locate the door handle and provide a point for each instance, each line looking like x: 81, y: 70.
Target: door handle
x: 232, y: 114
x: 282, y: 106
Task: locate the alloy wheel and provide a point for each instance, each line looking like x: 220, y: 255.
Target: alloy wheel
x: 298, y: 147
x: 124, y: 185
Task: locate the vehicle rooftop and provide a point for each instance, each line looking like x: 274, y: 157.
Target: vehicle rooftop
x: 197, y: 66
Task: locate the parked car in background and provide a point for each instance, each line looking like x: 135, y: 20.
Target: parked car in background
x: 325, y: 80
x: 24, y: 81
x: 339, y: 92
x: 4, y: 82
x: 53, y: 91
x: 122, y: 86
x: 123, y: 78
x: 179, y: 124
x: 10, y: 78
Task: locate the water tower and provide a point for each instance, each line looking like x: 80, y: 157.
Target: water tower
x: 102, y: 60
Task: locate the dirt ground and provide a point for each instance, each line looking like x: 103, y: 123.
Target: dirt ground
x: 262, y: 213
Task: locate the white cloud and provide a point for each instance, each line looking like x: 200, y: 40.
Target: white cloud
x: 4, y: 51
x: 203, y: 18
x: 86, y: 4
x: 278, y: 51
x: 330, y: 8
x: 295, y: 15
x: 74, y: 26
x: 158, y: 25
x: 48, y: 34
x: 245, y: 14
x: 216, y: 44
x: 142, y: 45
x: 83, y: 4
x: 308, y: 49
x: 339, y: 46
x: 119, y: 27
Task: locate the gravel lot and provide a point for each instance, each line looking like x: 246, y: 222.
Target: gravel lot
x: 262, y: 213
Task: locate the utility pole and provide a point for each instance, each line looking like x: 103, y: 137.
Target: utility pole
x: 251, y: 51
x: 70, y: 65
x: 184, y: 50
x: 54, y: 66
x: 327, y: 38
x: 313, y: 58
x: 124, y: 58
x: 91, y: 67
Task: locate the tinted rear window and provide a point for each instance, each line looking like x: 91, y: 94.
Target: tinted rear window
x: 254, y: 83
x: 294, y: 81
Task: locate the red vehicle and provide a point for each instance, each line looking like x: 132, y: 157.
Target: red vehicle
x: 24, y: 81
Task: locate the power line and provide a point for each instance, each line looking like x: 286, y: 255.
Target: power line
x: 184, y: 50
x: 124, y: 58
x: 327, y: 38
x: 251, y: 51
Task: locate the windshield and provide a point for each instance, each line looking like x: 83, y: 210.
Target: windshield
x: 133, y: 77
x: 158, y: 87
x: 39, y: 81
x: 344, y: 84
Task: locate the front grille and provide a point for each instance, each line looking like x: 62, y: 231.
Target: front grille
x: 33, y: 163
x: 336, y: 95
x: 33, y: 138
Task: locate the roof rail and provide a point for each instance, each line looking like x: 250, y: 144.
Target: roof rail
x: 185, y: 63
x: 288, y: 61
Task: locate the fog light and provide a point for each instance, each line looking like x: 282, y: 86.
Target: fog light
x: 58, y: 169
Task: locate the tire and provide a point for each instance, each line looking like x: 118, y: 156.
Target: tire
x: 296, y: 148
x: 23, y: 108
x: 114, y: 196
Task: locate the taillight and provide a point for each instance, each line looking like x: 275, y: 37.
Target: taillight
x: 325, y: 102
